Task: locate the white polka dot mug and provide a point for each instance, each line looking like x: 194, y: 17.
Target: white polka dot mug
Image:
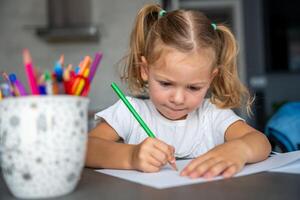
x: 43, y: 144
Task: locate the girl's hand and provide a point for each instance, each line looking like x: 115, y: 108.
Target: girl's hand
x: 151, y: 155
x: 226, y: 160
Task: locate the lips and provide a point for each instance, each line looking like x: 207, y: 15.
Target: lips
x: 176, y: 109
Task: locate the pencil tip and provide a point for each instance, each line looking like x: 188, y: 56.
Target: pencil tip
x: 26, y: 56
x: 61, y: 59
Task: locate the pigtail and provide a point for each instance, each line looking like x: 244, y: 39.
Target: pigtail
x: 144, y: 21
x: 227, y: 89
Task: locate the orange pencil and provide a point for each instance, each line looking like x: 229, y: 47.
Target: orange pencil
x: 85, y: 64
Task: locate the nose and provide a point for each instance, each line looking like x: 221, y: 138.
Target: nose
x: 178, y: 97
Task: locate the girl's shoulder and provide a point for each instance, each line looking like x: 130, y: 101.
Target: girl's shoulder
x: 118, y: 111
x: 207, y: 106
x: 134, y: 101
x: 138, y: 103
x: 142, y: 106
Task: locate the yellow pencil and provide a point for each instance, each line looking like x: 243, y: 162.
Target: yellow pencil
x: 82, y: 82
x: 67, y: 71
x: 1, y: 95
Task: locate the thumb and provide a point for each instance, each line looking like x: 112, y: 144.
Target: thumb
x: 171, y: 154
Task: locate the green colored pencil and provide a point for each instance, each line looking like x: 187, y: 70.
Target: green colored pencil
x: 136, y: 116
x: 132, y: 110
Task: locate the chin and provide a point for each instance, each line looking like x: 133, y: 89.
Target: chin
x: 175, y: 117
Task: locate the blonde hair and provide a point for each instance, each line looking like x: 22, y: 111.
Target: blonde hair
x: 185, y: 30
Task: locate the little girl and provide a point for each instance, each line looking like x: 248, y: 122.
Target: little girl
x: 177, y: 59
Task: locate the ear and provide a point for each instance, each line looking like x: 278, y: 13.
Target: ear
x: 144, y: 69
x: 214, y: 74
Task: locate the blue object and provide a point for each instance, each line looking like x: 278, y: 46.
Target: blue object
x: 59, y: 72
x: 12, y: 78
x: 42, y: 89
x: 77, y: 69
x: 284, y: 126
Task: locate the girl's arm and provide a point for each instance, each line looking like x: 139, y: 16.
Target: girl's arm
x: 256, y: 144
x: 103, y: 150
x: 243, y: 145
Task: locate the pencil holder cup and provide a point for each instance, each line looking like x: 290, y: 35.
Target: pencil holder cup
x: 43, y: 144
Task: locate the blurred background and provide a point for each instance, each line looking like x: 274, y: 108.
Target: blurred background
x: 268, y: 33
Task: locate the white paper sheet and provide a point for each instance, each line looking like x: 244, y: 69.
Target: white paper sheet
x: 167, y: 177
x: 292, y: 168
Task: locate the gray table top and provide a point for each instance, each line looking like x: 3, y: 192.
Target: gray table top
x: 264, y: 186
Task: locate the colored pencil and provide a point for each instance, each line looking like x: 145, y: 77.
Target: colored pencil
x: 30, y: 72
x: 96, y: 61
x: 135, y: 114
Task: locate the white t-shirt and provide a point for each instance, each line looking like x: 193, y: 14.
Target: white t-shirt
x: 202, y: 130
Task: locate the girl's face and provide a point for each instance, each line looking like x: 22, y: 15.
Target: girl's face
x: 178, y: 81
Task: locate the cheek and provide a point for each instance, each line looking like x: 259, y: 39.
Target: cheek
x: 155, y: 92
x: 198, y: 99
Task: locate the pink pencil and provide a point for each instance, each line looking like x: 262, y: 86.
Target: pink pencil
x: 30, y: 72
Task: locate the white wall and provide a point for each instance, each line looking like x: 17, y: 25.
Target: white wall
x: 18, y: 20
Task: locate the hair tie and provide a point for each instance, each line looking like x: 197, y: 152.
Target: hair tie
x: 214, y: 26
x: 162, y: 13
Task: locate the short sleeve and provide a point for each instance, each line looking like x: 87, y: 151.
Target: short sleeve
x: 118, y: 117
x: 222, y: 119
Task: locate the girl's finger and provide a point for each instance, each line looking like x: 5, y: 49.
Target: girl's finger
x: 216, y: 169
x: 159, y: 155
x: 166, y: 149
x: 171, y: 156
x: 230, y: 171
x: 202, y: 168
x: 155, y: 162
x: 161, y: 145
x: 149, y: 167
x: 193, y: 164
